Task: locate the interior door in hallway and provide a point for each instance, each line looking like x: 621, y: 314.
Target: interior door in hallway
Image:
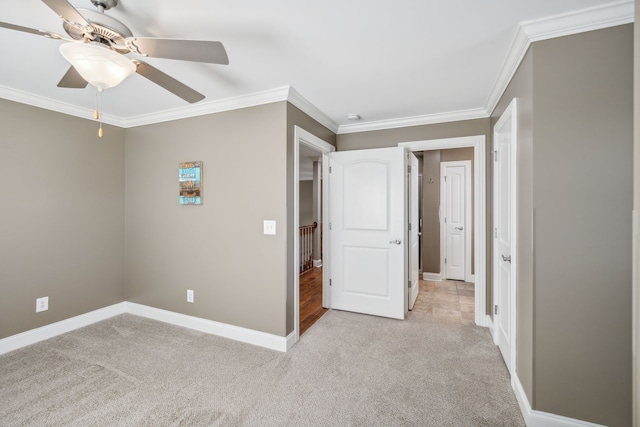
x: 367, y: 226
x: 504, y: 235
x: 456, y: 202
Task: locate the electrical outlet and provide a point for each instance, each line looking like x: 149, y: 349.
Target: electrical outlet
x: 42, y: 304
x: 269, y: 227
x: 189, y: 295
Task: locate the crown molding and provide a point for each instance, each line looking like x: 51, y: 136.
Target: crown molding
x: 452, y: 116
x: 303, y: 104
x: 580, y: 21
x: 55, y: 105
x: 284, y: 93
x: 593, y: 18
x: 210, y: 107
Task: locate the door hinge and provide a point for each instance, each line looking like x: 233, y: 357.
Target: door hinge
x: 408, y: 168
x: 409, y: 284
x: 445, y: 260
x: 329, y: 282
x: 495, y: 309
x: 495, y: 232
x: 445, y: 178
x: 495, y: 155
x: 410, y: 226
x: 329, y: 169
x: 329, y: 226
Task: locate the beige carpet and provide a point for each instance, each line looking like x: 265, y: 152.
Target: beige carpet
x: 347, y: 370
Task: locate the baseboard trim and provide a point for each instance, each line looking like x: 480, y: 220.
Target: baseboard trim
x: 33, y: 336
x: 434, y: 277
x: 317, y: 263
x: 249, y: 336
x: 533, y: 418
x: 471, y: 278
x: 291, y: 340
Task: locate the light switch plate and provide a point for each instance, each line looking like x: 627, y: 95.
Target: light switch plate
x: 269, y: 227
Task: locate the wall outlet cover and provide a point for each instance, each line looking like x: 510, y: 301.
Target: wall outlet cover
x: 42, y: 304
x: 269, y: 226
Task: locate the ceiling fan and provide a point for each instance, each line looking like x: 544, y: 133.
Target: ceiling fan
x: 99, y: 43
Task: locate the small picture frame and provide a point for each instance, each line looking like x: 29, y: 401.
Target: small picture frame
x: 190, y: 181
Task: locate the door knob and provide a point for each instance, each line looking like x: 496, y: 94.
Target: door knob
x: 506, y: 258
x: 397, y: 242
x: 460, y: 228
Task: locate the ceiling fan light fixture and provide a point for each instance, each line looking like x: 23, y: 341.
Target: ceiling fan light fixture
x: 98, y: 65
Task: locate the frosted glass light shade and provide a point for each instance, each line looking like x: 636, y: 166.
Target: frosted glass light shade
x: 98, y: 65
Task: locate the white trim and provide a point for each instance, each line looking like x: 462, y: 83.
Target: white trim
x: 479, y: 212
x: 593, y: 18
x: 580, y: 21
x: 55, y: 105
x: 534, y: 418
x: 46, y: 332
x: 510, y: 113
x: 249, y: 336
x: 284, y: 93
x: 301, y: 136
x: 303, y: 104
x: 210, y: 107
x: 471, y: 278
x: 434, y: 277
x: 517, y: 51
x: 588, y: 19
x: 452, y: 116
x: 236, y: 333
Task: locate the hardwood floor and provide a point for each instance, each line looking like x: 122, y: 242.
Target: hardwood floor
x: 310, y: 298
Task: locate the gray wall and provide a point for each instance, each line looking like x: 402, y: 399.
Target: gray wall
x: 62, y: 218
x: 306, y: 202
x: 431, y: 211
x: 217, y: 249
x: 574, y: 209
x: 636, y: 205
x: 582, y: 195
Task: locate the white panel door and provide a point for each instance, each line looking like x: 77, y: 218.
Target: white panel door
x: 503, y: 238
x: 456, y: 210
x: 414, y: 227
x: 367, y: 217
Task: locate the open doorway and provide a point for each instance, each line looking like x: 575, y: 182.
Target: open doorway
x: 310, y: 236
x: 474, y: 285
x: 308, y: 152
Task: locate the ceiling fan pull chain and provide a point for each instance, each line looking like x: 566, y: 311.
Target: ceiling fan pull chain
x: 97, y: 113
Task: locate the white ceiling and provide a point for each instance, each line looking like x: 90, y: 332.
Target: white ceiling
x: 385, y: 60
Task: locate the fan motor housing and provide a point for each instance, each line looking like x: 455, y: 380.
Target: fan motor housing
x: 105, y: 29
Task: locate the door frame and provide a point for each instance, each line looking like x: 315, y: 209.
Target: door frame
x: 301, y: 136
x: 478, y: 143
x: 509, y: 113
x: 468, y: 277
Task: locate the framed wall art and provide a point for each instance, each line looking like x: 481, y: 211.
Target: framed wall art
x: 190, y: 180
